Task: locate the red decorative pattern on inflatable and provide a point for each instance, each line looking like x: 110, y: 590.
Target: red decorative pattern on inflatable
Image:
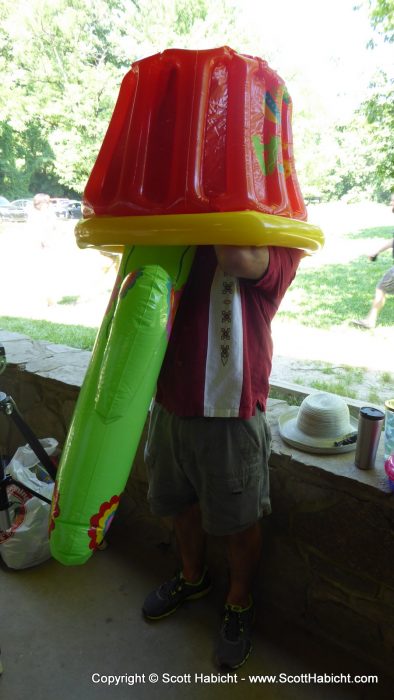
x: 114, y: 294
x: 55, y: 510
x: 129, y: 282
x: 101, y: 521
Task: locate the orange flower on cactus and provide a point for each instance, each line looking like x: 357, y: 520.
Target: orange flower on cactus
x: 101, y: 521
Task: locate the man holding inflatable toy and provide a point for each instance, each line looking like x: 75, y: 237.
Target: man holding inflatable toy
x: 195, y: 184
x: 209, y: 441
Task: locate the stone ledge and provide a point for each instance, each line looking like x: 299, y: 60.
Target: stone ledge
x: 44, y: 380
x: 68, y: 366
x: 59, y: 362
x: 330, y: 466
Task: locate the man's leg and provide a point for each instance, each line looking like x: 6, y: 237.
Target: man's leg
x: 191, y: 541
x: 377, y: 305
x: 243, y: 552
x: 193, y: 581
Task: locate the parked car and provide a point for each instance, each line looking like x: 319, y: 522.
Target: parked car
x: 10, y: 213
x: 24, y: 205
x: 70, y: 209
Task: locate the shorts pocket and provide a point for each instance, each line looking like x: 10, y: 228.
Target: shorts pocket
x: 248, y: 443
x: 235, y: 503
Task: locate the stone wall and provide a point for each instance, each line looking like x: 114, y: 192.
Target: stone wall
x: 328, y: 559
x: 44, y: 380
x: 330, y: 556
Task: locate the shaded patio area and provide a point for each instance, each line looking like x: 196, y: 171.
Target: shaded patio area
x: 63, y: 629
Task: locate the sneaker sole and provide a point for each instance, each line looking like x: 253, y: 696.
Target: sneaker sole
x: 194, y: 596
x: 365, y: 326
x: 234, y: 668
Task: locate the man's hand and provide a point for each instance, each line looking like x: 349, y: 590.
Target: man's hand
x: 249, y: 262
x: 385, y: 246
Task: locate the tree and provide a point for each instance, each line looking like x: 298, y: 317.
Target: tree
x: 63, y: 61
x: 382, y: 18
x: 379, y: 112
x: 378, y: 109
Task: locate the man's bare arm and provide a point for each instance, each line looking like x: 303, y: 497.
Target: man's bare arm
x: 384, y: 247
x: 250, y: 262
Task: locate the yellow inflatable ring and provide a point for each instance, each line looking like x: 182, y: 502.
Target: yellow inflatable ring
x: 218, y: 228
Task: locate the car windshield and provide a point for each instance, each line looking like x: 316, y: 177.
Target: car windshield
x: 4, y: 202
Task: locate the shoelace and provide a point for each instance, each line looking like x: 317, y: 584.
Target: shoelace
x: 171, y: 588
x: 175, y: 586
x: 233, y: 624
x: 178, y: 588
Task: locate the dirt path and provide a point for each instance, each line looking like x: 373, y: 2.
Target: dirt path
x: 360, y: 361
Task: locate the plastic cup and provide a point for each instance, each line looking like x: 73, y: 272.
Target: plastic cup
x: 389, y: 429
x: 389, y: 469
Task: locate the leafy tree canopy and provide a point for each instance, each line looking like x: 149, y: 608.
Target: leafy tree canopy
x: 62, y: 62
x: 382, y: 17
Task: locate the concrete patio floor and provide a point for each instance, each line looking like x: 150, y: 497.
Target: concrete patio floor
x: 61, y: 625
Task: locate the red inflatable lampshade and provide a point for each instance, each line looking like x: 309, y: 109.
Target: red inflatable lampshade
x: 194, y: 132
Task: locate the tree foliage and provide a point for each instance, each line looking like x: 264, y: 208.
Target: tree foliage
x: 62, y: 62
x: 378, y: 109
x: 379, y: 112
x: 382, y: 17
x: 351, y: 160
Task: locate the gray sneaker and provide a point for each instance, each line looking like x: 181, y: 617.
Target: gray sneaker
x: 361, y: 323
x: 234, y: 644
x: 170, y: 595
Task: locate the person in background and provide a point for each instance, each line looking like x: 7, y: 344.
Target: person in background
x: 43, y: 240
x: 42, y: 219
x: 385, y: 286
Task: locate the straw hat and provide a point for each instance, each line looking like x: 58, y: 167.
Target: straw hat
x: 322, y: 424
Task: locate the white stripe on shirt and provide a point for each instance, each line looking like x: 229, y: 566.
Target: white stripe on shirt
x: 224, y: 361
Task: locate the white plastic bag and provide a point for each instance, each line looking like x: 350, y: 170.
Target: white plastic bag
x: 26, y: 542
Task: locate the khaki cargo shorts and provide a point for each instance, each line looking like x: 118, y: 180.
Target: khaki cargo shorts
x: 386, y: 283
x: 222, y: 463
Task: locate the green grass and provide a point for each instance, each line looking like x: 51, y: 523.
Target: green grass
x: 349, y: 375
x: 283, y: 395
x: 345, y: 381
x: 374, y: 397
x: 326, y: 369
x: 375, y: 232
x: 75, y: 336
x: 68, y: 300
x: 338, y: 387
x: 335, y: 294
x: 342, y: 382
